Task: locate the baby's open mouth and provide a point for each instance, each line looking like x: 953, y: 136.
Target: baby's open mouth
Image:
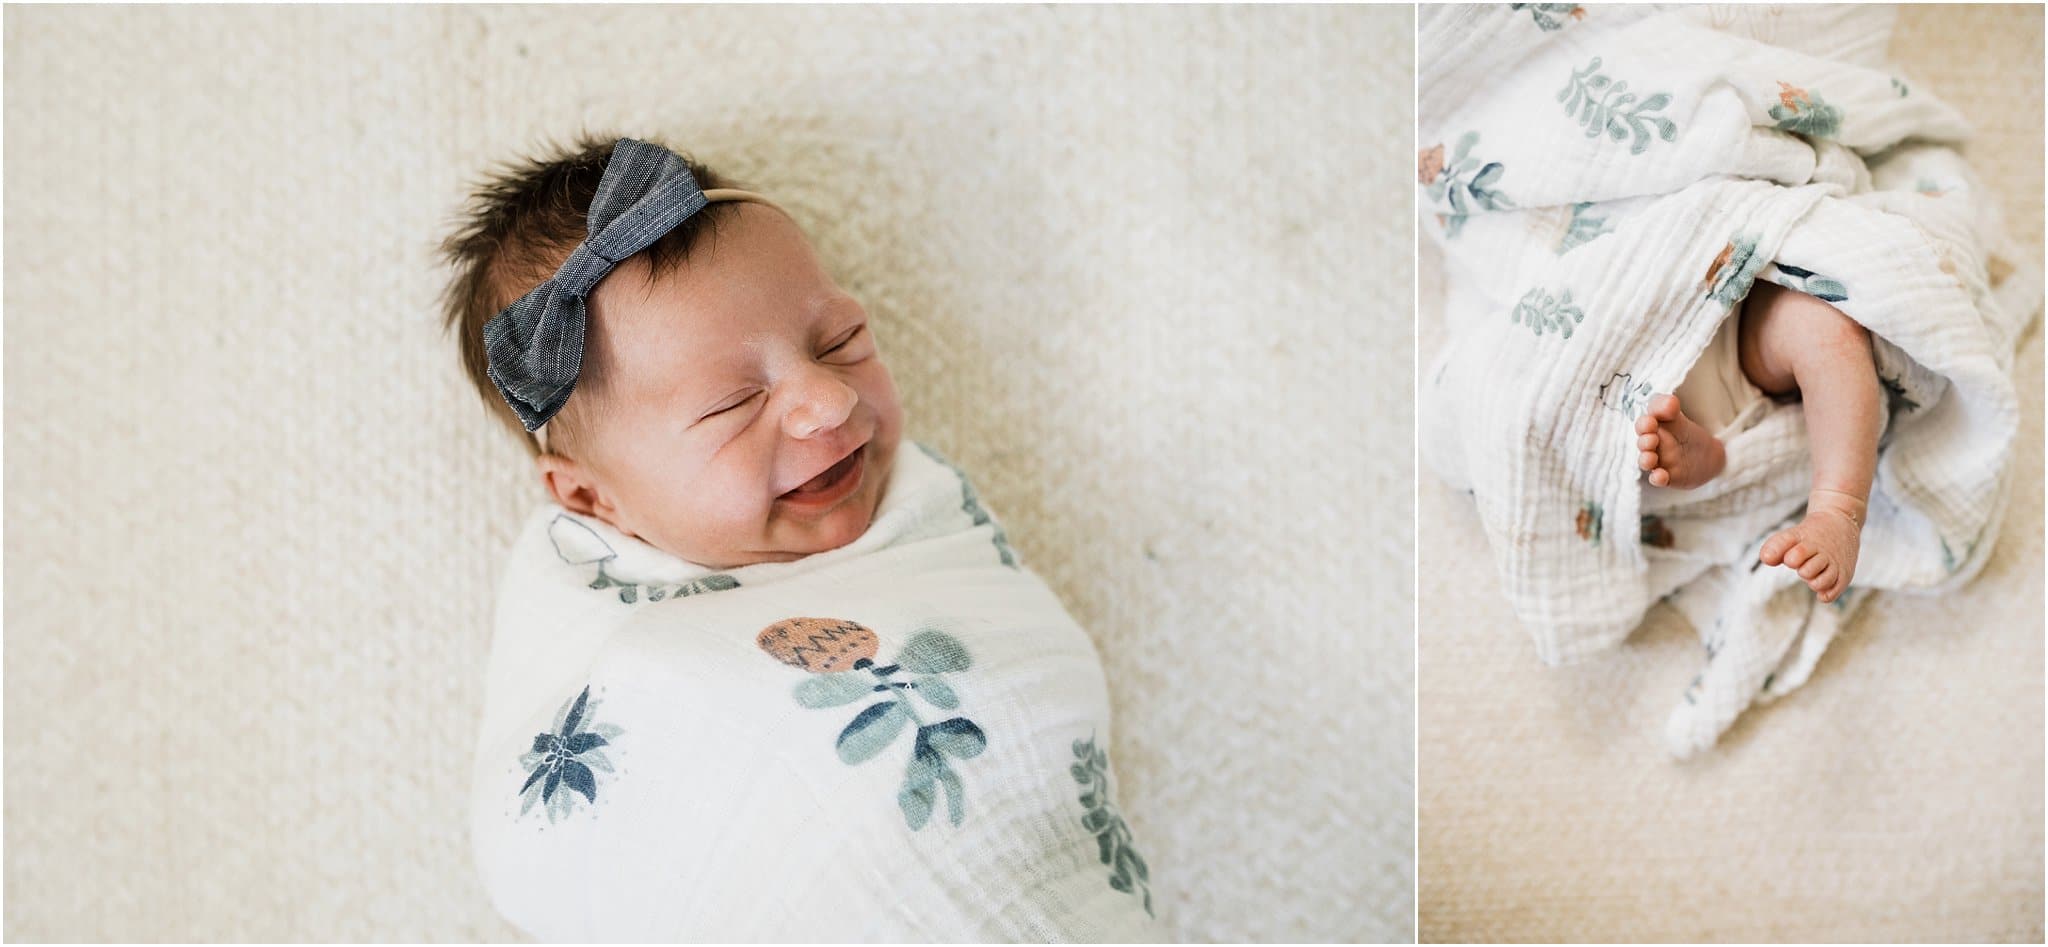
x: 832, y: 485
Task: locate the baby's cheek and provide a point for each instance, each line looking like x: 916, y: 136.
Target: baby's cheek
x: 878, y: 389
x: 716, y: 512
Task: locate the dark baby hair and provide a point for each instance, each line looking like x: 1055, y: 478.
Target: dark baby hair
x: 520, y: 222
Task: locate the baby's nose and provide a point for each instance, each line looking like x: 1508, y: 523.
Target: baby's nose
x: 822, y: 404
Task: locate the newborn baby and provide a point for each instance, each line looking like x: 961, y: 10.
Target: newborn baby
x: 762, y: 669
x: 1786, y: 343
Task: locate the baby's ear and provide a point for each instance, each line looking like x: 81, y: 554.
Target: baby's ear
x: 572, y: 486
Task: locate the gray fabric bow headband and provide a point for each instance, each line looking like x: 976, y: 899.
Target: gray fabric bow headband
x: 535, y: 346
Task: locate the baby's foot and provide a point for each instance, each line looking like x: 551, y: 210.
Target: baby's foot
x: 1823, y: 547
x: 1675, y: 449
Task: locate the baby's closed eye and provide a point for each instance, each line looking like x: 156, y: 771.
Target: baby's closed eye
x: 735, y: 400
x: 851, y: 346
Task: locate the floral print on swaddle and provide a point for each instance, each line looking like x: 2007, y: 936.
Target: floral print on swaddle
x: 1464, y: 185
x: 840, y: 655
x: 1805, y: 113
x: 1551, y: 17
x: 1733, y: 269
x: 579, y: 545
x: 1581, y: 228
x: 1587, y: 522
x: 1808, y: 282
x: 566, y: 759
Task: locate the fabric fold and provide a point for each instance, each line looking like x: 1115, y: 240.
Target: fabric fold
x: 1592, y: 258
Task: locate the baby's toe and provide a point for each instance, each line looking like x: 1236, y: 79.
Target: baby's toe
x: 1773, y: 551
x: 1647, y: 424
x: 1664, y: 407
x: 1660, y: 477
x: 1646, y: 442
x: 1797, y: 555
x: 1647, y: 460
x: 1813, y: 568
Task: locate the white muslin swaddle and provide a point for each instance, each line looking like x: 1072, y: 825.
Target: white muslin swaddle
x: 1606, y: 184
x: 903, y: 739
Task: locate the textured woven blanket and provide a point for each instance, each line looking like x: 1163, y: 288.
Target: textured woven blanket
x: 1606, y: 184
x: 902, y: 739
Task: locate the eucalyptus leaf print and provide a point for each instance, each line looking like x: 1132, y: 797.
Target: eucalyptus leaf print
x: 1804, y: 113
x: 1551, y: 17
x: 840, y: 656
x: 971, y: 505
x: 1542, y: 312
x: 1733, y: 270
x: 1101, y: 818
x: 1581, y: 228
x: 1601, y: 104
x: 579, y: 545
x: 565, y: 761
x: 1810, y: 283
x: 1463, y: 185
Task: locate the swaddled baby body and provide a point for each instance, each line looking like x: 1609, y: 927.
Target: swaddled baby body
x: 761, y: 669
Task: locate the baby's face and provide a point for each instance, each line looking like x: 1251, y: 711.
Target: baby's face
x: 750, y: 417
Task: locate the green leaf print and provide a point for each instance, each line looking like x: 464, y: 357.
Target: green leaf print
x: 916, y: 801
x: 839, y: 657
x: 1551, y: 17
x: 956, y: 796
x: 932, y: 652
x: 871, y: 730
x: 1599, y: 104
x: 1587, y: 524
x: 1810, y: 283
x: 1464, y: 186
x: 832, y: 690
x: 1542, y: 312
x: 958, y: 737
x: 1581, y: 229
x: 1099, y: 818
x: 970, y: 503
x: 579, y: 545
x: 1804, y: 113
x: 1733, y: 270
x: 936, y: 692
